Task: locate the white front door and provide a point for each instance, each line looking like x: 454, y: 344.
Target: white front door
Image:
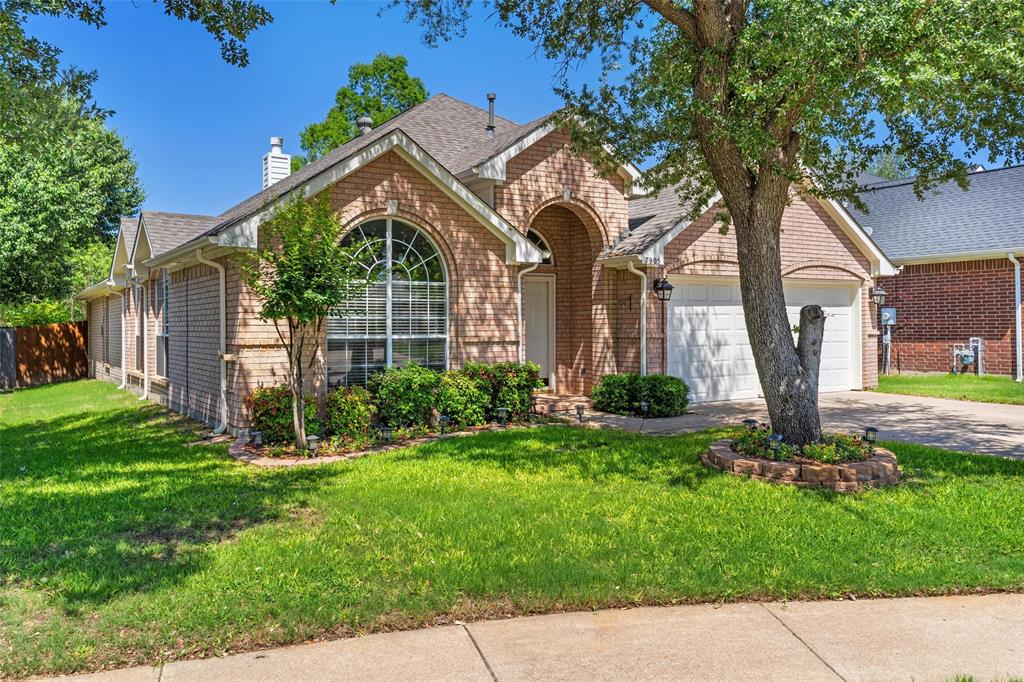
x: 538, y: 322
x: 708, y: 345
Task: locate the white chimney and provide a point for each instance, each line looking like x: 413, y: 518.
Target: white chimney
x: 276, y: 164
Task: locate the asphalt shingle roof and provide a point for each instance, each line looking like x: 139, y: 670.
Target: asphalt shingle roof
x: 129, y: 226
x: 989, y: 216
x: 649, y: 219
x: 168, y: 230
x: 451, y: 131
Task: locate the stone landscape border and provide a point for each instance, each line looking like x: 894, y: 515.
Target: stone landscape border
x: 878, y: 471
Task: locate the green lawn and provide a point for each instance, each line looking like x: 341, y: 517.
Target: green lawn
x: 985, y: 389
x: 120, y: 545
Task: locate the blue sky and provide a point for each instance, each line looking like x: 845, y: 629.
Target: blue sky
x: 199, y: 127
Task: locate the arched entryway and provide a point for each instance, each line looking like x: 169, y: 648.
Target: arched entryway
x: 565, y: 301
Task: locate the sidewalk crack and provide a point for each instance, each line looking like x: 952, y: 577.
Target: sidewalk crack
x: 480, y: 652
x: 801, y: 640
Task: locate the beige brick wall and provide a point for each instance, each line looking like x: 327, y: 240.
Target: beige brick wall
x: 104, y: 338
x: 813, y: 247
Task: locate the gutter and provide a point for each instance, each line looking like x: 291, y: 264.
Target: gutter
x: 223, y: 342
x: 519, y: 313
x: 1017, y: 314
x: 631, y: 266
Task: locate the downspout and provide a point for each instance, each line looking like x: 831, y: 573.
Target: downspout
x: 1017, y: 314
x: 145, y: 340
x: 124, y: 368
x: 631, y: 266
x: 223, y: 342
x: 519, y: 313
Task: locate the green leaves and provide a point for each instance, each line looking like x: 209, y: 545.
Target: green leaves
x: 381, y: 89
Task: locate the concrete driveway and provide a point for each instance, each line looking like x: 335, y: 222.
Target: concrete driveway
x: 985, y: 428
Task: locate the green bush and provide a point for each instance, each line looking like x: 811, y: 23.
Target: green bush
x: 622, y: 394
x: 270, y: 411
x: 507, y: 384
x: 38, y: 312
x: 405, y: 396
x: 347, y: 413
x: 831, y: 449
x: 461, y: 397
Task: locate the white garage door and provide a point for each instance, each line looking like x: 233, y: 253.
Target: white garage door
x: 709, y: 349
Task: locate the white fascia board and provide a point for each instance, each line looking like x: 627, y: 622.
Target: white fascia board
x: 495, y: 167
x: 118, y: 245
x: 135, y: 245
x: 99, y: 289
x: 881, y: 266
x: 961, y: 256
x: 655, y: 253
x: 518, y: 249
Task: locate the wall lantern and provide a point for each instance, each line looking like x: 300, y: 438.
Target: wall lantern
x: 871, y: 434
x: 663, y: 289
x: 775, y: 442
x: 878, y: 295
x: 751, y: 424
x: 579, y: 412
x: 502, y: 413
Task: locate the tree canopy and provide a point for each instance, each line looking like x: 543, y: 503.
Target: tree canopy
x: 380, y: 89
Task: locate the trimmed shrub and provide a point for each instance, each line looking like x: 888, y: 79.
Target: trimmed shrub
x: 405, y: 395
x: 507, y: 384
x: 462, y: 398
x: 622, y: 394
x: 347, y: 413
x: 270, y: 411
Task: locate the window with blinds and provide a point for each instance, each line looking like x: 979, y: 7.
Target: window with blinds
x: 401, y: 315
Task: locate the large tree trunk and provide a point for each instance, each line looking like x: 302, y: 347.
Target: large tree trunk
x: 788, y: 372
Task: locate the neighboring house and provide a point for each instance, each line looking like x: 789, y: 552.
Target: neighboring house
x: 959, y: 255
x: 492, y: 242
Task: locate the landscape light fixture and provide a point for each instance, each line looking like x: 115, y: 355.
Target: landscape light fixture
x: 387, y: 433
x: 871, y: 434
x: 312, y: 442
x: 579, y: 412
x: 775, y: 442
x: 878, y: 296
x: 663, y: 289
x: 644, y: 407
x: 257, y: 438
x: 502, y: 413
x: 444, y: 420
x: 750, y: 423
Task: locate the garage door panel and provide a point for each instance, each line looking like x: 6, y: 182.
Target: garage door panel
x: 709, y: 348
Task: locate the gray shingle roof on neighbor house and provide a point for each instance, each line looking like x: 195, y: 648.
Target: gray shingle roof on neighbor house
x: 168, y: 230
x: 454, y: 133
x: 988, y: 217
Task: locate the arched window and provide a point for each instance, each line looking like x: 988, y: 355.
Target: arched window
x: 402, y: 314
x: 537, y: 239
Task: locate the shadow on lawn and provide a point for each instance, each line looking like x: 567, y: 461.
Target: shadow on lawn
x: 96, y: 505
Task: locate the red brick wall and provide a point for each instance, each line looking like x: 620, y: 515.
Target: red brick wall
x: 939, y: 304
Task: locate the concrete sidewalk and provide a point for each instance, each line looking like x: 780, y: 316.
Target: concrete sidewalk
x: 935, y: 638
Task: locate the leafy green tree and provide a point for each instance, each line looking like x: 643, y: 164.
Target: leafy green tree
x: 299, y: 272
x: 59, y: 201
x: 34, y: 87
x: 890, y: 165
x: 381, y: 90
x: 755, y: 99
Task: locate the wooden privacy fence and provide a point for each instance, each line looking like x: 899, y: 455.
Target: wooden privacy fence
x: 44, y: 354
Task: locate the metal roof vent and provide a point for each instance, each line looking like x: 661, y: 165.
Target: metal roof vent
x: 276, y: 164
x: 490, y: 113
x: 365, y: 124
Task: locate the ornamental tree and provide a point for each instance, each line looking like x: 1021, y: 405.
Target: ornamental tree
x: 758, y: 99
x: 301, y: 271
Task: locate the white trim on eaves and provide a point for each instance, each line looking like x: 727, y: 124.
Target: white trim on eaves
x: 518, y: 249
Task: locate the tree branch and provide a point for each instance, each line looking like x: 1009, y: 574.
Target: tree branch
x: 677, y: 15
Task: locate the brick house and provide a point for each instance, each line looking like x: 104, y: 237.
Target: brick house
x: 958, y: 253
x: 491, y: 241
